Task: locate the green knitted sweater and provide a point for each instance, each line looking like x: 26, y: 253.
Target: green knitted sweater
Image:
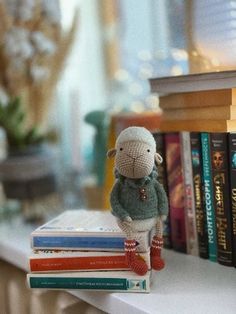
x: 126, y: 198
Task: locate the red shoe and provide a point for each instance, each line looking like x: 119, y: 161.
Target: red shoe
x: 157, y: 262
x: 135, y: 261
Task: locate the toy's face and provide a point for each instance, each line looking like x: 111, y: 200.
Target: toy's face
x: 134, y: 160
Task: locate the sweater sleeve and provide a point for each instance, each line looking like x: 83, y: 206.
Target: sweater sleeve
x: 117, y: 209
x: 163, y: 206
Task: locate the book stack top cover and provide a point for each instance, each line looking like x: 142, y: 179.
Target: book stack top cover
x: 84, y: 229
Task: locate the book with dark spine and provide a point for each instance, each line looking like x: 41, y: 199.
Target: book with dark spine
x: 232, y: 156
x: 200, y: 215
x: 176, y: 191
x: 162, y: 178
x: 189, y: 204
x: 220, y: 175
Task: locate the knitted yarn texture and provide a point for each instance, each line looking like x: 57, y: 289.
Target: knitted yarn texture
x: 137, y: 199
x: 127, y: 198
x: 136, y: 134
x: 135, y: 149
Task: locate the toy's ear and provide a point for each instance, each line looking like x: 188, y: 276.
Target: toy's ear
x: 111, y: 153
x: 158, y: 158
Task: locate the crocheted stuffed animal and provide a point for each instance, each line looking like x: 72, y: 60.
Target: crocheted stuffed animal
x: 137, y: 199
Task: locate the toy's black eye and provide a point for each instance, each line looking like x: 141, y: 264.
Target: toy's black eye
x: 121, y: 148
x: 148, y: 150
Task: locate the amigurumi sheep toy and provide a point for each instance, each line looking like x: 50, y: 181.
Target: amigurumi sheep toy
x: 137, y: 199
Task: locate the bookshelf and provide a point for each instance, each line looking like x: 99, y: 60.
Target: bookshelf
x: 187, y: 285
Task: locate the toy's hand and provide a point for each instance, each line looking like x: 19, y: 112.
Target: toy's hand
x: 127, y: 219
x: 163, y: 217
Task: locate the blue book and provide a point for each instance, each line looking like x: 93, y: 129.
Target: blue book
x: 84, y: 230
x: 209, y: 196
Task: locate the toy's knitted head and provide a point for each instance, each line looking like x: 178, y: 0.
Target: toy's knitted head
x: 135, y: 153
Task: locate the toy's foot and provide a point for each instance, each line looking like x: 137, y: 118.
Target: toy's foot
x: 157, y: 263
x: 135, y: 261
x: 139, y: 266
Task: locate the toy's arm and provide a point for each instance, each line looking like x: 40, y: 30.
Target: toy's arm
x: 117, y: 209
x: 163, y: 207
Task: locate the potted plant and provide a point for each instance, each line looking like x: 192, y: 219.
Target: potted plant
x: 28, y: 172
x: 33, y: 50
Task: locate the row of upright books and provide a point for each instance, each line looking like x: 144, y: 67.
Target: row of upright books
x: 199, y: 175
x: 84, y: 250
x: 198, y: 142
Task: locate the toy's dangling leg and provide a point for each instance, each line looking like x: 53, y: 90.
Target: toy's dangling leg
x: 157, y: 262
x: 135, y: 261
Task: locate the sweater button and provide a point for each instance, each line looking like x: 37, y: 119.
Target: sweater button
x: 143, y: 197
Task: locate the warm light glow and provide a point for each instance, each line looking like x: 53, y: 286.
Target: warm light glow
x: 122, y: 75
x: 194, y: 53
x: 215, y: 62
x: 153, y: 102
x: 179, y: 54
x: 176, y: 70
x: 137, y: 106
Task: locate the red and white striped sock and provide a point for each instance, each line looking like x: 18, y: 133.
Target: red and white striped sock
x: 135, y: 262
x: 157, y: 262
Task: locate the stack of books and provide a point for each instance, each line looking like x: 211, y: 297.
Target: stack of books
x: 84, y: 249
x: 198, y: 136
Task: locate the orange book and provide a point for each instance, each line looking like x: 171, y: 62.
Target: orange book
x: 197, y: 99
x: 55, y: 261
x: 201, y: 113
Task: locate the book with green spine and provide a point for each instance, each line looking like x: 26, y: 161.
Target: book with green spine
x: 118, y: 281
x: 209, y: 196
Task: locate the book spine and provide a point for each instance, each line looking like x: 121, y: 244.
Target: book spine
x: 88, y: 283
x: 208, y: 199
x: 176, y: 191
x: 232, y: 156
x: 220, y: 173
x: 74, y: 242
x: 78, y: 263
x: 189, y: 203
x: 162, y: 178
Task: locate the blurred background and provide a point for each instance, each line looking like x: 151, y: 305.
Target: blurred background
x: 74, y: 73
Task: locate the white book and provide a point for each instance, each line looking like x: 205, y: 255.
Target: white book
x: 87, y: 230
x: 189, y: 200
x: 193, y: 82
